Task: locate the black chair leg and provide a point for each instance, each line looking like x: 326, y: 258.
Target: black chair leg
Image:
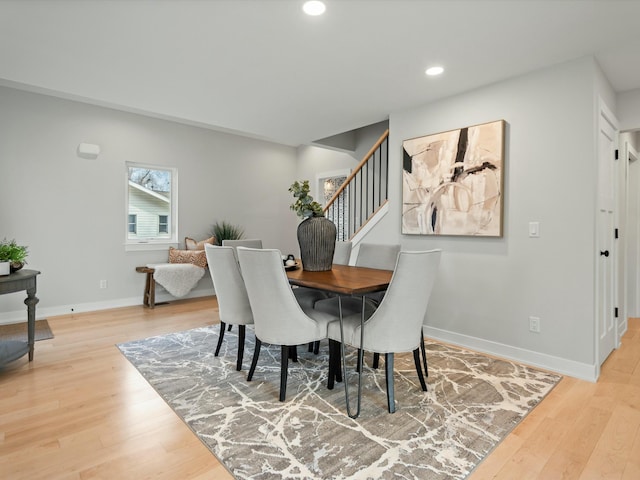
x: 416, y: 360
x: 254, y: 362
x: 293, y: 353
x: 229, y: 329
x: 285, y: 351
x: 220, y: 338
x: 388, y: 370
x: 335, y: 364
x: 241, y: 332
x: 310, y: 347
x: 360, y: 354
x: 424, y: 354
x: 376, y: 360
x: 316, y: 347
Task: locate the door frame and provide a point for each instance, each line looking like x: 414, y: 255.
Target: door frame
x: 631, y: 257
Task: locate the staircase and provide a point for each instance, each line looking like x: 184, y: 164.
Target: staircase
x: 364, y: 194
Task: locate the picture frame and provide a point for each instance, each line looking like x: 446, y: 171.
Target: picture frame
x: 453, y: 182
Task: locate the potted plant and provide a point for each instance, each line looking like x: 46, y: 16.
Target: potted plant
x: 12, y: 256
x: 316, y: 234
x: 226, y: 231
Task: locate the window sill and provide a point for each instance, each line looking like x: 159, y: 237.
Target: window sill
x: 148, y: 246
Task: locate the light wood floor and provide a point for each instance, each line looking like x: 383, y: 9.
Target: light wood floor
x: 81, y: 411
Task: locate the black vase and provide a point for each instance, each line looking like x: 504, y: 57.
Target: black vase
x: 317, y: 240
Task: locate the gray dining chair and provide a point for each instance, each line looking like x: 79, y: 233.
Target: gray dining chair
x: 278, y: 317
x: 370, y: 255
x: 247, y: 242
x: 396, y: 324
x: 233, y: 302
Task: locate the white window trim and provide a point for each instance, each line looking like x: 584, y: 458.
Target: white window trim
x: 152, y: 244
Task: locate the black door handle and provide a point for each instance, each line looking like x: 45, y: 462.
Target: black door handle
x: 605, y: 253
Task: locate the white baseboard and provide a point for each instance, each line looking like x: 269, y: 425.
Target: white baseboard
x: 47, y: 312
x: 559, y: 365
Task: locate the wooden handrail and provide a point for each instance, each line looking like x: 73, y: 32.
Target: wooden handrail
x: 355, y: 171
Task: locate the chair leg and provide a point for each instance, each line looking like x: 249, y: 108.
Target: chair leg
x: 293, y: 353
x: 285, y: 351
x: 316, y: 347
x: 229, y: 329
x: 335, y: 364
x: 254, y: 361
x: 416, y: 360
x: 424, y: 353
x: 241, y: 333
x: 310, y: 347
x: 388, y: 370
x: 360, y: 354
x: 376, y: 360
x: 220, y: 338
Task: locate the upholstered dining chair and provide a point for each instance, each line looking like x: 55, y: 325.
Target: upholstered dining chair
x: 396, y: 325
x: 247, y: 242
x: 233, y: 302
x: 279, y: 319
x: 370, y: 255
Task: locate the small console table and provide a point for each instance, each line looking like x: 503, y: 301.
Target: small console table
x: 16, y: 282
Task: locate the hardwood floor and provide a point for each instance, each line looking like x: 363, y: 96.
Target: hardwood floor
x: 82, y: 411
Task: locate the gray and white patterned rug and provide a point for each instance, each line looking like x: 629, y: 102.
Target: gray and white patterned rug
x: 473, y: 402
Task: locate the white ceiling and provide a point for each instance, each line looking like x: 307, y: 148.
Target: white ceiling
x: 264, y: 69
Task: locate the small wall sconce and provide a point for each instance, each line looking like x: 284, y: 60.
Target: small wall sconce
x: 88, y: 150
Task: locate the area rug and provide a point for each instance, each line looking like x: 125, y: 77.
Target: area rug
x: 473, y: 402
x: 18, y: 331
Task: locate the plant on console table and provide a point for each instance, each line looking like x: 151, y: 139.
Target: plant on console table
x: 12, y: 256
x: 316, y: 233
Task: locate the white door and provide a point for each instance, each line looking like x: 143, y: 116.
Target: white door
x: 605, y: 262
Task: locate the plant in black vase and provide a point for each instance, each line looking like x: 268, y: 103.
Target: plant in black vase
x: 316, y: 234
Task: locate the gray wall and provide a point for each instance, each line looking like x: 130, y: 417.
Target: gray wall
x: 488, y: 288
x: 70, y: 211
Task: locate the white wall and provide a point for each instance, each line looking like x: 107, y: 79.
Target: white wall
x: 488, y: 288
x: 47, y: 193
x: 628, y: 110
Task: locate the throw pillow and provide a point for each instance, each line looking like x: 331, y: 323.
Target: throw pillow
x: 196, y: 257
x: 191, y: 244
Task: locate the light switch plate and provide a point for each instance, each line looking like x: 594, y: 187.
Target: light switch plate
x: 534, y: 229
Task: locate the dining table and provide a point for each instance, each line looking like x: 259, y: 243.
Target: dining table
x: 349, y: 281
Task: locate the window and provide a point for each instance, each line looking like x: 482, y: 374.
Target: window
x: 163, y: 223
x: 151, y: 207
x: 133, y: 224
x: 328, y: 184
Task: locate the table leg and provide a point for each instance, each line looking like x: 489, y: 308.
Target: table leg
x: 31, y: 302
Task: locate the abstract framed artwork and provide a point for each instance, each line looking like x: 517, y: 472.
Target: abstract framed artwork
x: 452, y: 182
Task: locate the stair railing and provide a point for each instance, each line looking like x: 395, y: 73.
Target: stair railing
x: 363, y: 193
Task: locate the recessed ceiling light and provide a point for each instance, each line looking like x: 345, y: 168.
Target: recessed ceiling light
x: 314, y: 7
x: 434, y: 71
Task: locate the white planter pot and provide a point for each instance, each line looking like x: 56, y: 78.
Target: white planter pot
x: 5, y: 268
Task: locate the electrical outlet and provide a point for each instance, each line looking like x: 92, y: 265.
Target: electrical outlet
x: 103, y: 284
x: 534, y: 324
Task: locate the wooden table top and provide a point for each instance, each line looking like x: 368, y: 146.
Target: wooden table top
x: 343, y: 279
